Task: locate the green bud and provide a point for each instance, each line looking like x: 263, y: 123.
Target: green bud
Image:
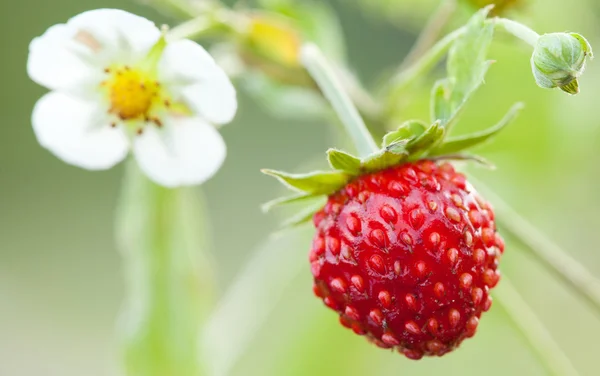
x: 559, y: 60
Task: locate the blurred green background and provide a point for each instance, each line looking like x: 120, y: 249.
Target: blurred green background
x: 61, y: 281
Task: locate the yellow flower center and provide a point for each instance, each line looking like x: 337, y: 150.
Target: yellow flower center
x: 132, y: 93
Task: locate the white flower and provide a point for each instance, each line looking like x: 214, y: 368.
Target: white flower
x: 117, y: 84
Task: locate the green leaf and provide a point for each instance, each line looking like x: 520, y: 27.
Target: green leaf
x: 342, y: 161
x: 440, y: 101
x: 432, y: 136
x: 303, y: 216
x: 467, y: 66
x: 407, y: 131
x: 469, y: 158
x: 314, y: 183
x: 457, y: 144
x: 300, y: 197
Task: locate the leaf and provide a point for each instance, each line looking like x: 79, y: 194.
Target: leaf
x: 300, y: 197
x: 468, y: 157
x: 340, y: 160
x: 457, y: 144
x: 433, y: 135
x: 303, y: 216
x: 314, y: 183
x: 467, y: 66
x: 440, y: 97
x: 407, y: 131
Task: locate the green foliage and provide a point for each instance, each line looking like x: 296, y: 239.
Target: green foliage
x: 340, y: 160
x: 467, y: 66
x: 456, y: 144
x: 313, y: 183
x: 407, y: 131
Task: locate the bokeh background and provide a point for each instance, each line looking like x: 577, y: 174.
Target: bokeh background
x: 61, y: 283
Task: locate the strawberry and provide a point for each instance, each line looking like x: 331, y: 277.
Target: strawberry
x: 406, y: 256
x: 405, y: 250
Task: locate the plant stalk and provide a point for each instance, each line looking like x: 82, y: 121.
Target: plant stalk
x: 329, y: 83
x: 162, y: 236
x: 562, y: 265
x: 533, y: 330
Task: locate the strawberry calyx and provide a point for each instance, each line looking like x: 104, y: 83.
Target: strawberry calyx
x: 412, y: 141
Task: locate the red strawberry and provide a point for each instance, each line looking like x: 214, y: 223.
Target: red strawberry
x: 407, y: 257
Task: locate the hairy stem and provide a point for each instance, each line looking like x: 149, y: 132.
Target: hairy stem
x: 330, y: 84
x: 519, y: 30
x: 524, y: 318
x: 568, y: 270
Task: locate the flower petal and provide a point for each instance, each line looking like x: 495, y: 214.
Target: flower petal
x: 78, y: 132
x: 56, y: 61
x: 194, y: 78
x: 117, y: 31
x: 185, y: 151
x: 72, y: 57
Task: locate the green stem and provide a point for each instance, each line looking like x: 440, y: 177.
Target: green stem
x: 430, y: 33
x: 534, y: 331
x: 169, y: 286
x: 568, y: 270
x: 519, y: 30
x: 191, y: 29
x: 256, y: 292
x: 329, y: 83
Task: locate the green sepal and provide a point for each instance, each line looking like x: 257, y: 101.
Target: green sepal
x: 428, y: 140
x: 457, y: 144
x: 300, y: 197
x: 314, y: 183
x: 304, y: 215
x: 407, y: 131
x: 467, y: 66
x: 342, y: 161
x: 468, y: 158
x: 389, y: 156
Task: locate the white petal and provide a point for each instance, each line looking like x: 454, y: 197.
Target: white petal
x: 193, y: 77
x: 55, y: 62
x: 78, y: 132
x: 186, y: 151
x: 118, y: 31
x: 72, y: 57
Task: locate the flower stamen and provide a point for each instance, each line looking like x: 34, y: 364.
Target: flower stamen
x: 132, y: 93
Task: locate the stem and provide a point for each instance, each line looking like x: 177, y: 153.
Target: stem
x: 530, y: 326
x: 556, y: 260
x: 191, y: 29
x: 430, y: 34
x: 519, y: 30
x: 321, y: 71
x: 256, y: 292
x: 162, y: 237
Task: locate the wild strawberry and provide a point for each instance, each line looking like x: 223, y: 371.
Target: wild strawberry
x: 405, y: 250
x: 407, y: 257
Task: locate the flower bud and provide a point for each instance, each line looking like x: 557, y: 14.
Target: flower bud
x: 559, y: 60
